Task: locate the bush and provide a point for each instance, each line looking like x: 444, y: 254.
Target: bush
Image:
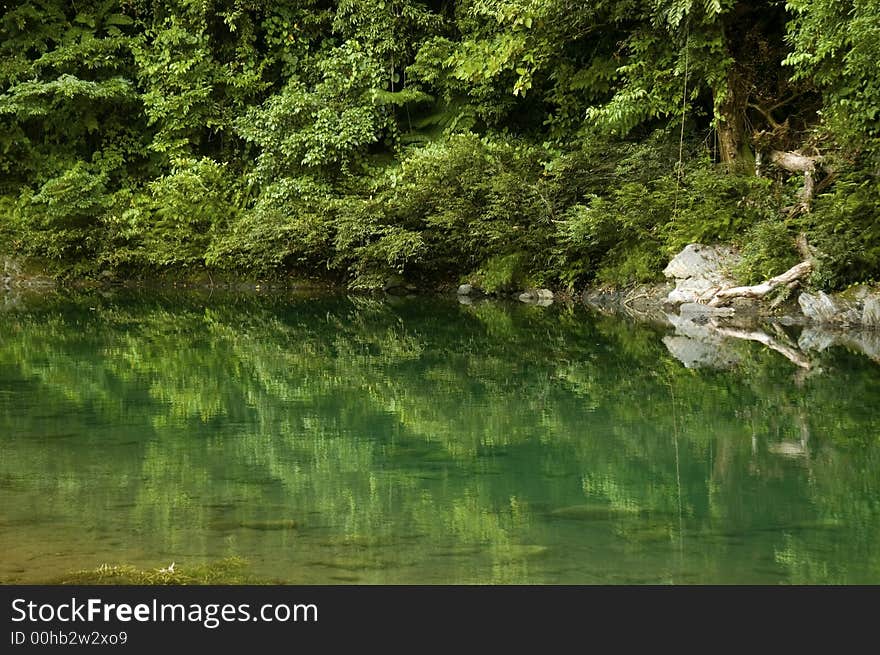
x: 289, y: 225
x: 627, y: 231
x: 768, y: 249
x: 445, y: 210
x: 844, y: 227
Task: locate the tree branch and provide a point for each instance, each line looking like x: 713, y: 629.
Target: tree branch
x: 794, y: 162
x: 766, y: 114
x: 793, y: 274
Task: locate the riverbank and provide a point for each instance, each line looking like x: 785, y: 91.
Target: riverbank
x: 797, y: 324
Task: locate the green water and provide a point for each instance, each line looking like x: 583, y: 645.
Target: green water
x: 337, y: 440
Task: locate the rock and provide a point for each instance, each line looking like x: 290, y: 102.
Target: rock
x: 644, y: 302
x: 465, y: 290
x: 823, y: 309
x: 691, y: 290
x: 696, y: 260
x: 699, y: 271
x: 11, y: 267
x: 602, y: 298
x: 540, y: 297
x: 871, y: 312
x: 819, y: 308
x: 18, y: 276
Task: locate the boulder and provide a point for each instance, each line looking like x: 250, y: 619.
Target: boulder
x: 699, y: 271
x: 871, y: 312
x: 823, y: 309
x: 541, y: 297
x: 465, y: 290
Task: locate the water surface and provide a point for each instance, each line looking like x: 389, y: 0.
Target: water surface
x: 416, y: 440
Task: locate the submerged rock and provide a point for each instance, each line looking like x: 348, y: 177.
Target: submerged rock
x: 277, y: 524
x: 519, y: 551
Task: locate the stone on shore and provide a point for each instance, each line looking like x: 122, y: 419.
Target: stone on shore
x: 699, y: 271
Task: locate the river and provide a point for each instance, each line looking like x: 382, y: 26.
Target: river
x: 339, y: 439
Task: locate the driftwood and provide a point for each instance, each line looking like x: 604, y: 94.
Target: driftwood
x: 791, y: 278
x: 792, y: 275
x: 795, y: 162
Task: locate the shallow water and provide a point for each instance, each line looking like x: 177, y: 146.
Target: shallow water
x: 354, y: 440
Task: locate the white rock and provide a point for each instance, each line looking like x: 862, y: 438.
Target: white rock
x: 699, y: 271
x: 871, y: 312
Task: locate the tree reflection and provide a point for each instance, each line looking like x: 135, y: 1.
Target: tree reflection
x: 352, y: 439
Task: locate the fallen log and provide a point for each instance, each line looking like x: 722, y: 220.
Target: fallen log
x: 794, y: 162
x: 792, y: 275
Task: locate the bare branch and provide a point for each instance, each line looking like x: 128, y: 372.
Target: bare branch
x: 794, y: 162
x: 793, y: 274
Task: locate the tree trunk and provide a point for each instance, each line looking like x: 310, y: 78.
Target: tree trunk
x: 730, y: 121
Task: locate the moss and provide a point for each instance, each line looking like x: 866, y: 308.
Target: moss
x: 231, y: 570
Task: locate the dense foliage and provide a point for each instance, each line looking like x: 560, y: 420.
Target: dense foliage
x: 510, y: 142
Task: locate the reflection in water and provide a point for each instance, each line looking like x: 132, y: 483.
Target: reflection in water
x: 338, y: 439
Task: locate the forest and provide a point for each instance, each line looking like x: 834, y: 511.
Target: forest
x: 508, y: 143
